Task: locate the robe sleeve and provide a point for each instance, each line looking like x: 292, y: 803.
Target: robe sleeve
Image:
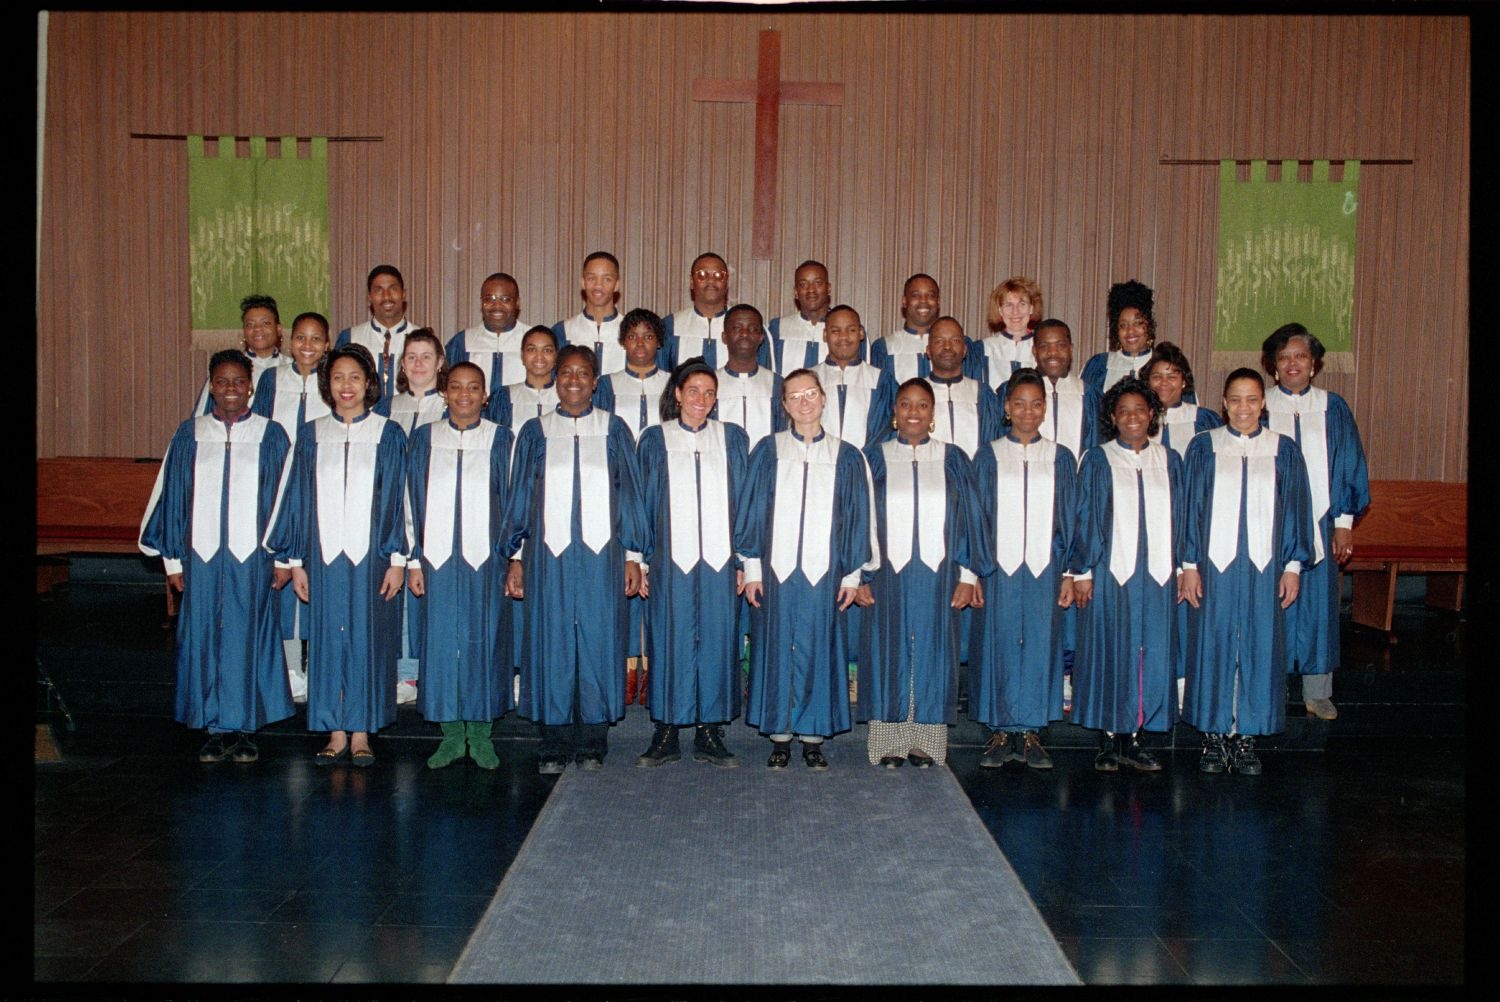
x: 1348, y: 476
x: 668, y: 343
x: 882, y: 407
x: 263, y: 402
x: 855, y: 546
x: 1293, y: 507
x: 779, y: 419
x: 455, y: 350
x: 875, y: 462
x: 204, y: 404
x: 560, y: 332
x: 168, y: 519
x: 1093, y: 374
x: 343, y: 338
x: 991, y: 414
x: 501, y: 450
x: 753, y: 513
x: 966, y: 530
x: 737, y: 464
x: 527, y: 467
x: 388, y: 520
x: 1177, y: 485
x: 1064, y: 505
x: 289, y: 538
x: 1093, y: 403
x: 976, y: 360
x: 1092, y: 525
x: 1197, y: 502
x: 625, y: 472
x: 504, y: 409
x: 1206, y: 420
x: 418, y: 455
x: 880, y: 355
x: 651, y: 455
x: 604, y: 394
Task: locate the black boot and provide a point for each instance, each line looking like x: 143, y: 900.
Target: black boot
x: 708, y: 746
x: 664, y: 748
x: 1108, y: 759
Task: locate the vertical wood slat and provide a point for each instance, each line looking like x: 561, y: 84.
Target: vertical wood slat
x: 972, y: 147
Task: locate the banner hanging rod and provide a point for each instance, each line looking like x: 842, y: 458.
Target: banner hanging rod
x: 1175, y: 161
x: 246, y: 139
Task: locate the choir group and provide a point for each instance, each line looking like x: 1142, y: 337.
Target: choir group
x: 789, y: 522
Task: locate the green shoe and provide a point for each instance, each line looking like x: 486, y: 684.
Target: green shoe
x: 452, y: 747
x: 481, y: 748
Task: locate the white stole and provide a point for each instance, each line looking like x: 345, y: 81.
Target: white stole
x: 527, y: 402
x: 794, y: 333
x: 1253, y: 459
x: 214, y: 439
x: 694, y: 332
x: 955, y: 413
x: 629, y: 389
x: 746, y: 400
x: 412, y: 412
x: 906, y: 492
x: 590, y: 435
x: 698, y: 494
x: 603, y: 338
x: 290, y: 386
x: 1150, y: 465
x: 1064, y: 421
x: 859, y: 380
x: 805, y: 475
x: 443, y: 487
x: 1177, y: 427
x: 1002, y: 355
x: 491, y: 351
x: 906, y: 351
x: 1286, y: 410
x: 345, y: 476
x: 1025, y: 483
x: 1118, y: 365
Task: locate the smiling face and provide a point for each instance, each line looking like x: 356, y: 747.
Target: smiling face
x: 1168, y: 382
x: 420, y: 363
x: 464, y: 394
x: 538, y: 357
x: 810, y: 284
x: 1244, y: 401
x: 1133, y: 419
x: 946, y: 349
x: 575, y: 384
x: 920, y: 303
x: 347, y: 383
x: 803, y: 400
x: 261, y: 331
x: 742, y: 336
x: 696, y: 397
x: 843, y: 332
x: 708, y: 284
x: 913, y: 414
x: 1133, y: 330
x: 1294, y: 365
x: 1015, y: 310
x: 600, y: 284
x: 387, y: 300
x: 309, y: 345
x: 1026, y: 408
x: 1053, y: 350
x: 230, y: 386
x: 500, y: 304
x: 640, y: 347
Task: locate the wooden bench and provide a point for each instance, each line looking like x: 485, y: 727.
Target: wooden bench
x: 1411, y: 527
x: 90, y: 505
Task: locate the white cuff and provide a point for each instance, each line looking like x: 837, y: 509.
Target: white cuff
x: 1186, y: 566
x: 1084, y: 576
x: 850, y: 580
x: 294, y: 563
x: 966, y: 576
x: 1292, y: 567
x: 1344, y: 522
x: 171, y: 565
x: 413, y: 565
x: 633, y: 555
x: 398, y: 560
x: 283, y: 565
x: 752, y: 570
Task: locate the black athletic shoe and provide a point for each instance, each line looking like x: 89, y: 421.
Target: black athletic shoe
x: 1137, y: 757
x: 243, y: 750
x: 1246, y: 762
x: 664, y: 748
x: 213, y: 749
x: 708, y: 746
x: 1215, y: 756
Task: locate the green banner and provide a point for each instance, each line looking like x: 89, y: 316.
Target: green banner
x: 256, y: 224
x: 1286, y: 253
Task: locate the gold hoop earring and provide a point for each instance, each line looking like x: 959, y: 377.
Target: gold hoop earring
x: 894, y: 424
x: 931, y: 427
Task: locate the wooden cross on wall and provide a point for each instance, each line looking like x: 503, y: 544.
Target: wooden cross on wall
x: 769, y: 93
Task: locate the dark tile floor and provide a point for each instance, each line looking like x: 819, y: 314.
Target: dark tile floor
x: 1342, y: 865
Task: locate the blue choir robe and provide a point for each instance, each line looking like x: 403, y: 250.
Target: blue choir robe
x: 602, y: 336
x: 904, y: 354
x: 1338, y: 482
x: 341, y: 515
x: 499, y: 355
x: 1000, y: 355
x: 211, y: 503
x: 457, y: 482
x: 1027, y: 494
x: 861, y: 401
x: 965, y: 413
x: 797, y: 343
x: 291, y: 400
x: 1129, y: 512
x: 1247, y: 523
x: 258, y: 368
x: 689, y: 334
x: 512, y: 406
x: 1179, y: 424
x: 575, y: 503
x: 1107, y: 368
x: 805, y: 524
x: 1072, y: 419
x: 751, y: 400
x: 384, y: 345
x: 691, y: 483
x: 930, y: 539
x: 635, y: 399
x: 412, y: 412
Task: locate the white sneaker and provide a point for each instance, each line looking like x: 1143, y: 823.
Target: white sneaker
x: 406, y: 691
x: 298, y: 682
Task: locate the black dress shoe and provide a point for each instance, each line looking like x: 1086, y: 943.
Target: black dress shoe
x: 1246, y: 762
x: 781, y: 755
x: 893, y: 761
x: 551, y: 765
x: 213, y: 749
x: 1108, y: 759
x: 243, y: 750
x: 812, y: 756
x: 590, y: 761
x: 920, y: 759
x: 1137, y: 757
x: 708, y: 746
x: 664, y: 748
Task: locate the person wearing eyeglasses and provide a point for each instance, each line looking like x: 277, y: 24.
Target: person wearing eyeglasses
x: 695, y: 331
x: 494, y: 344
